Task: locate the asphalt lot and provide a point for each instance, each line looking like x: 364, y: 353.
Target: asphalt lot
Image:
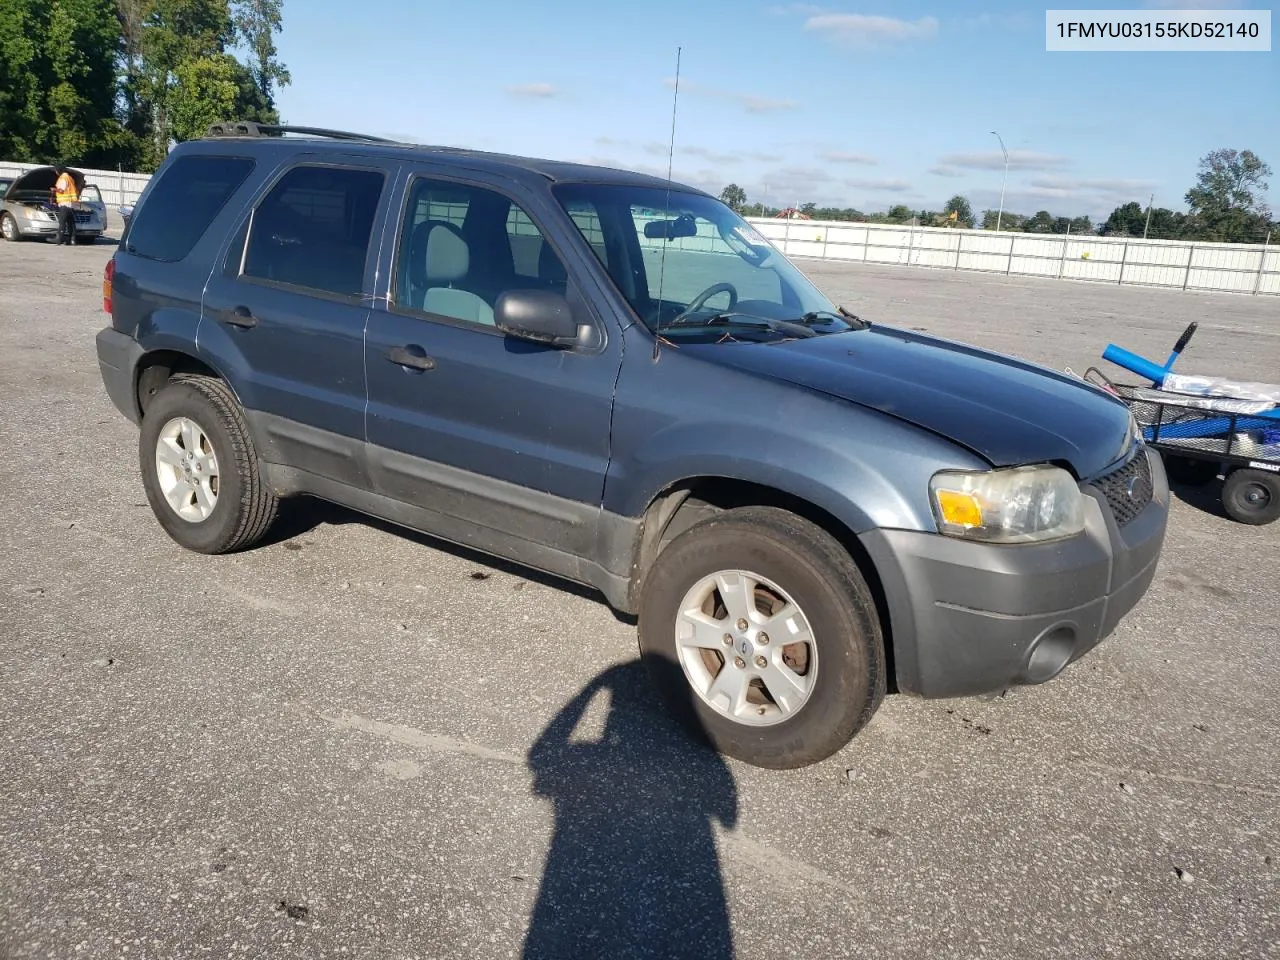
x: 349, y: 742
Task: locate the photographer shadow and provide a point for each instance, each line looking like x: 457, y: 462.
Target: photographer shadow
x: 633, y: 869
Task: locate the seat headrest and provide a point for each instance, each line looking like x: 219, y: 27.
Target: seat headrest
x: 440, y: 254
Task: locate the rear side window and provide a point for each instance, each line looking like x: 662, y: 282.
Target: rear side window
x: 182, y: 204
x: 312, y: 230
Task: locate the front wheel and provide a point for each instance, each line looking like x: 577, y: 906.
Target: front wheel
x: 1252, y: 496
x: 763, y: 636
x: 200, y: 470
x: 9, y: 228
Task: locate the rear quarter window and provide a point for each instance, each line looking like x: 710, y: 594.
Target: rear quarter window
x: 182, y: 205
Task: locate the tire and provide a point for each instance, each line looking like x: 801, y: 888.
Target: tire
x: 9, y: 228
x: 1190, y: 471
x: 842, y: 666
x: 1252, y: 496
x: 237, y: 507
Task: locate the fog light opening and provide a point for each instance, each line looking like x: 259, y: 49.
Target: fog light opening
x: 1050, y: 653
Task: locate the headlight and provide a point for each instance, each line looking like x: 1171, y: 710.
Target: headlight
x: 1008, y: 506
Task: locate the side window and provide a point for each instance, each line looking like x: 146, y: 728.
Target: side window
x: 312, y: 230
x: 526, y: 242
x: 182, y: 204
x: 587, y: 218
x: 462, y: 247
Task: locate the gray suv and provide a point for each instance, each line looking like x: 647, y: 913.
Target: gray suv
x: 615, y: 379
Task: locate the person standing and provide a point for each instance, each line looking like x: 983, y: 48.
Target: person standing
x: 65, y: 196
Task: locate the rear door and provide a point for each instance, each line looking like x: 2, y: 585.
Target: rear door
x: 507, y: 435
x: 285, y: 313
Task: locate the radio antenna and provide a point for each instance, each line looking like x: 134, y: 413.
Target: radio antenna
x: 666, y: 212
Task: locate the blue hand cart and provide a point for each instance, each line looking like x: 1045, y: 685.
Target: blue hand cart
x: 1206, y: 428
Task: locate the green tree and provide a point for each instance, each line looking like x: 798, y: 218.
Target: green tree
x: 1080, y: 225
x: 256, y: 23
x: 1042, y: 222
x: 960, y: 207
x: 734, y: 197
x: 173, y: 33
x: 205, y: 92
x: 135, y: 110
x: 1007, y: 220
x: 58, y: 82
x: 23, y: 81
x: 83, y: 43
x: 1226, y: 202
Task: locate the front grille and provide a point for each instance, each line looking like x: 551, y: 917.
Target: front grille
x: 1128, y: 488
x: 83, y: 217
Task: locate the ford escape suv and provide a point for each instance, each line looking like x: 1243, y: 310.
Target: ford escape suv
x: 615, y: 379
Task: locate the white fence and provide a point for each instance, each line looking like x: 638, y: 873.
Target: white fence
x: 117, y: 188
x: 1227, y: 267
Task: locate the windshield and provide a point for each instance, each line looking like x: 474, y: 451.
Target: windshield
x: 691, y: 268
x: 90, y: 193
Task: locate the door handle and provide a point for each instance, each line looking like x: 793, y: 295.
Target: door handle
x: 240, y: 317
x: 411, y: 356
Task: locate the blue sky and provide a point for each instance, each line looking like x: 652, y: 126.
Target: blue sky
x: 837, y: 103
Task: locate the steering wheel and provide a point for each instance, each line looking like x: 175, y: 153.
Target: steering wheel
x: 696, y: 303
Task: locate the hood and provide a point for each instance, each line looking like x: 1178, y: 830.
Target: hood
x: 1007, y: 411
x: 35, y: 184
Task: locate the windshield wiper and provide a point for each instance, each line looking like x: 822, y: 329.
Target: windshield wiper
x: 818, y: 316
x: 788, y: 327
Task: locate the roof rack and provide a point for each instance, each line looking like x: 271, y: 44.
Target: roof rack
x: 248, y: 128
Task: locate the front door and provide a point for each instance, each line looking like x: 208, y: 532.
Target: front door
x: 507, y: 435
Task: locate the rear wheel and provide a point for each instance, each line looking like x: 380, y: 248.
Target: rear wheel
x: 1190, y: 471
x: 762, y: 635
x: 1252, y: 496
x: 9, y: 228
x: 200, y: 469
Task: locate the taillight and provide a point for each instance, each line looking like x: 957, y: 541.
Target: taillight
x: 108, y: 275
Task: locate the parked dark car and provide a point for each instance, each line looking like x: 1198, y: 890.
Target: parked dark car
x: 27, y: 211
x: 802, y: 507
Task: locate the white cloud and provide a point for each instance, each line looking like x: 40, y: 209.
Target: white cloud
x: 748, y: 101
x: 861, y: 28
x: 944, y: 171
x: 534, y: 91
x: 845, y: 156
x: 994, y: 160
x: 885, y: 186
x: 1108, y: 187
x: 707, y: 153
x: 658, y: 149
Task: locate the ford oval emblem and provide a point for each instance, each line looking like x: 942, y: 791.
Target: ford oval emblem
x: 1132, y: 488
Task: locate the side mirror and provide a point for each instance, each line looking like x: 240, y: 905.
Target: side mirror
x: 536, y: 315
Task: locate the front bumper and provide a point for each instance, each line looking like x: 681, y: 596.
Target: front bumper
x: 969, y: 618
x: 38, y: 228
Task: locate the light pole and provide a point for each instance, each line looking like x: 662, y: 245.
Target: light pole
x: 1000, y: 212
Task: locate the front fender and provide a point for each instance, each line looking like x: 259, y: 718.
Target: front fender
x: 696, y: 420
